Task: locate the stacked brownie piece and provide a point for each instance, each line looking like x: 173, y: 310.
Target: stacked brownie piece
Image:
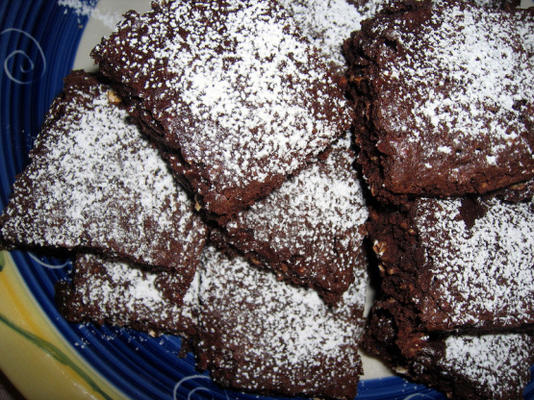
x: 280, y: 338
x: 444, y: 97
x: 460, y: 365
x: 113, y: 292
x: 447, y: 101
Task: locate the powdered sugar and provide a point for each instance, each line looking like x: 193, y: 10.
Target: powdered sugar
x: 489, y: 73
x: 330, y: 22
x: 497, y: 252
x: 475, y: 56
x: 486, y: 360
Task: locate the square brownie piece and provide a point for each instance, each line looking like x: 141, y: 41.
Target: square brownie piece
x: 445, y: 91
x: 234, y: 88
x: 466, y: 367
x: 310, y: 230
x: 465, y: 263
x: 94, y: 182
x: 120, y: 294
x: 261, y: 335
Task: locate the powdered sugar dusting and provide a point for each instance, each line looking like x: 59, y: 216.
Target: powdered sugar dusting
x: 497, y: 252
x: 487, y: 70
x: 254, y: 98
x: 312, y: 223
x: 485, y: 360
x: 278, y: 333
x: 94, y: 181
x: 121, y: 294
x: 330, y: 22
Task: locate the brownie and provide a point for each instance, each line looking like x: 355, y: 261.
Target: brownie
x: 472, y: 367
x: 261, y: 335
x: 94, y: 182
x: 233, y: 88
x: 459, y: 264
x: 120, y: 294
x: 310, y: 230
x: 444, y: 98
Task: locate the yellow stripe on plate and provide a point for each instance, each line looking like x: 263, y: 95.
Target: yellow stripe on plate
x: 34, y: 355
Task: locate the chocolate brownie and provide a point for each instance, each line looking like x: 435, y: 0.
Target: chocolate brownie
x: 310, y: 230
x: 446, y: 94
x: 460, y: 263
x: 119, y: 294
x: 471, y: 367
x: 259, y: 334
x: 233, y: 87
x: 94, y: 182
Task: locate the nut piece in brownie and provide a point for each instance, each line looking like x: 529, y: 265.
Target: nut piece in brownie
x: 446, y: 91
x: 310, y: 230
x: 473, y: 367
x: 94, y: 182
x: 119, y: 294
x: 459, y: 263
x: 262, y: 335
x: 233, y: 88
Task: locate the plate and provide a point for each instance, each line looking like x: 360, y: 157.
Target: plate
x: 42, y: 354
